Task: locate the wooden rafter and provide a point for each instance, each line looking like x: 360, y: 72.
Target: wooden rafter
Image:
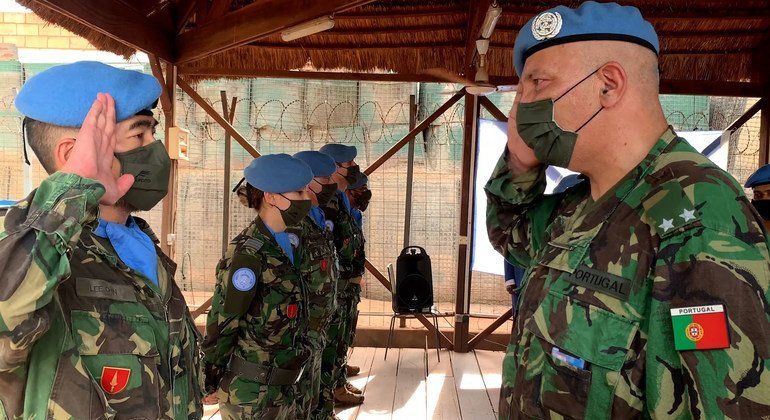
x: 218, y: 118
x: 157, y: 71
x: 218, y: 9
x: 476, y: 13
x: 667, y: 86
x: 118, y: 21
x: 409, y: 136
x: 502, y: 319
x: 251, y: 23
x: 185, y: 11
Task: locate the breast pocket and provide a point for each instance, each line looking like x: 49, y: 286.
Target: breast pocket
x: 582, y: 346
x: 121, y: 356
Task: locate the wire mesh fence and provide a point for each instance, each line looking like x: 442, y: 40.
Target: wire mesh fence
x: 289, y: 115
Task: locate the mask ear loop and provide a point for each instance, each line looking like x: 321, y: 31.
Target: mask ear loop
x: 576, y: 85
x: 589, y: 120
x: 24, y: 140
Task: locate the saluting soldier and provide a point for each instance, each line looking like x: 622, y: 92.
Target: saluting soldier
x: 349, y: 242
x: 92, y: 324
x: 646, y: 293
x: 320, y: 268
x: 256, y: 343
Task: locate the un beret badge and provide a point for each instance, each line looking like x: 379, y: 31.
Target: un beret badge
x: 546, y: 26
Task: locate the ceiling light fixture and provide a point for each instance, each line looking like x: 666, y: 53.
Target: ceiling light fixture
x: 308, y: 28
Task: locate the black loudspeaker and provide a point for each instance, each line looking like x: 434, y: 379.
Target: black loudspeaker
x: 414, y: 281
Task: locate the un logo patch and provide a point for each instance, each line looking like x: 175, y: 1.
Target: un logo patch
x: 546, y: 26
x: 244, y: 279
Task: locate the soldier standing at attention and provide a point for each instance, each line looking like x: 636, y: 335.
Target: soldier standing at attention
x: 349, y: 241
x: 647, y: 289
x: 92, y: 324
x: 759, y: 182
x: 256, y: 345
x: 359, y: 196
x: 320, y: 268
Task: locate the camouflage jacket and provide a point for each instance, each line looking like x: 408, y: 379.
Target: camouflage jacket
x: 348, y: 239
x: 320, y: 269
x: 81, y: 334
x: 676, y: 232
x: 262, y: 322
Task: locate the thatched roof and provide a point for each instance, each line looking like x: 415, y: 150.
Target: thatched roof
x: 711, y: 40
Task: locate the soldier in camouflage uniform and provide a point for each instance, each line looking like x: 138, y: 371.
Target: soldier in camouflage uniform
x: 646, y: 293
x: 759, y: 182
x: 256, y: 343
x: 320, y: 268
x: 92, y: 324
x: 359, y: 196
x: 349, y: 241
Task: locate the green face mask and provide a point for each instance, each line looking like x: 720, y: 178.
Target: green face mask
x: 151, y: 168
x: 297, y: 211
x: 536, y: 126
x: 353, y: 173
x: 326, y: 194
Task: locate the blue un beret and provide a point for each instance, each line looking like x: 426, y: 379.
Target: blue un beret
x: 63, y: 95
x: 591, y: 21
x: 760, y: 177
x: 360, y: 182
x: 319, y: 163
x: 339, y: 152
x: 278, y: 173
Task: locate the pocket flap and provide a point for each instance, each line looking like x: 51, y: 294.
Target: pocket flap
x: 586, y: 331
x: 98, y: 333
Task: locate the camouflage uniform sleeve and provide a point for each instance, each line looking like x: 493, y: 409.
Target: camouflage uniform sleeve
x: 35, y: 244
x: 700, y: 265
x: 517, y: 212
x: 227, y: 307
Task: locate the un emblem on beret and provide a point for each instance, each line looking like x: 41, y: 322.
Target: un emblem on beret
x: 546, y: 25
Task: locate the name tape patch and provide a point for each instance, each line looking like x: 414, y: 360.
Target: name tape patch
x: 601, y: 281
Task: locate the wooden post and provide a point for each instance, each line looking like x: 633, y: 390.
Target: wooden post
x: 463, y: 293
x: 230, y: 114
x: 409, y: 184
x: 409, y: 174
x: 168, y: 219
x: 764, y: 129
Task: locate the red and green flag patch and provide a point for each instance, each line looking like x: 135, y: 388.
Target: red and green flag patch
x: 700, y: 327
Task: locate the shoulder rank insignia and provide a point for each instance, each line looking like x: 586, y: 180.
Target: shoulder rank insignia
x: 669, y: 210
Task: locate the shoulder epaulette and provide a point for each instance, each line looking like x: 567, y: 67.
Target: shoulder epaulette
x: 669, y: 210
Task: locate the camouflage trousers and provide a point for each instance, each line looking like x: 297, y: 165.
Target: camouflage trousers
x: 351, y: 297
x: 506, y: 388
x: 329, y: 364
x: 310, y: 385
x: 246, y: 399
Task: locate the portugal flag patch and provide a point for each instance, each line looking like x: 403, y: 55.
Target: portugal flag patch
x: 700, y: 327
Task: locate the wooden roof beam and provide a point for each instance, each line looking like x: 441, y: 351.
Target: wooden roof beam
x: 476, y: 13
x: 251, y: 23
x: 185, y: 10
x: 118, y: 21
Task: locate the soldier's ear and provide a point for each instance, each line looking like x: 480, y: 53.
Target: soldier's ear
x: 62, y: 149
